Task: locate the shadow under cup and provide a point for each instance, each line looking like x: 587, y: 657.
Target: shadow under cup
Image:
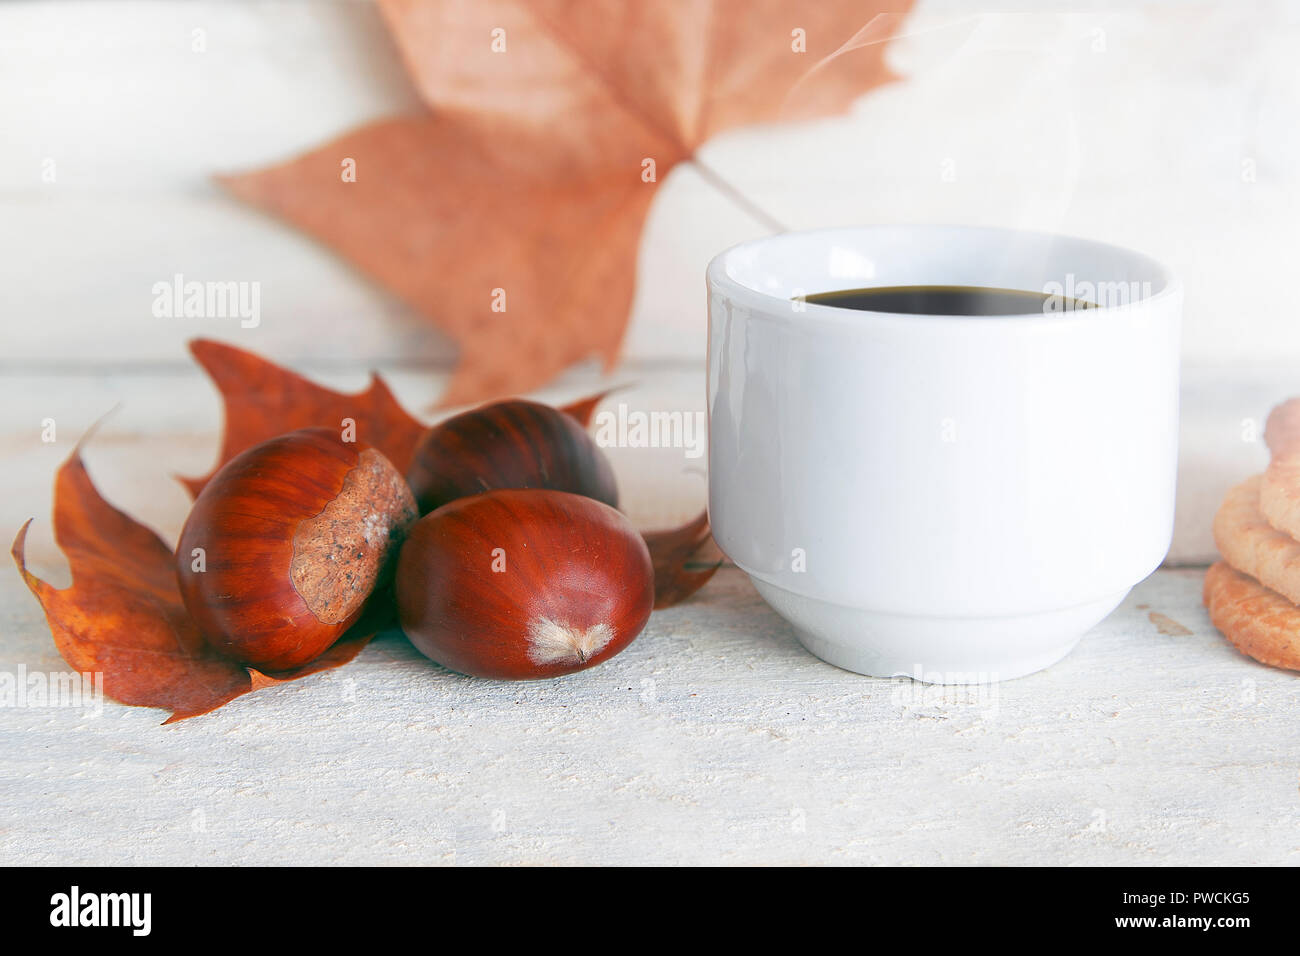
x: 955, y: 499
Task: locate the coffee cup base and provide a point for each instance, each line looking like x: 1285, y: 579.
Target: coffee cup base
x: 936, y: 650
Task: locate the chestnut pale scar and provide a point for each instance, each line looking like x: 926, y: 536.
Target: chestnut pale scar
x: 342, y: 553
x: 550, y: 642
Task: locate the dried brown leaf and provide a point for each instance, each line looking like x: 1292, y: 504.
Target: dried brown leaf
x: 528, y: 177
x: 123, y: 618
x: 263, y: 400
x: 674, y: 553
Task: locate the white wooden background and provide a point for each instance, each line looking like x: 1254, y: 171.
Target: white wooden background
x: 1169, y: 127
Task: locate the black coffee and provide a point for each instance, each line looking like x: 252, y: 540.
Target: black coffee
x: 948, y: 300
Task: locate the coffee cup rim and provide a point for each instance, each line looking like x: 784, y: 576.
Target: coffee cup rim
x: 719, y: 277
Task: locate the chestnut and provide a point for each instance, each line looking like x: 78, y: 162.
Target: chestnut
x: 287, y: 541
x: 509, y: 444
x: 521, y: 584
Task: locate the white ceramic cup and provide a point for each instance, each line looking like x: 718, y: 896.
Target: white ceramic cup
x: 954, y: 499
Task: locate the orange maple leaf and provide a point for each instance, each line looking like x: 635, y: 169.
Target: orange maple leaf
x: 123, y: 617
x: 525, y: 187
x: 262, y: 400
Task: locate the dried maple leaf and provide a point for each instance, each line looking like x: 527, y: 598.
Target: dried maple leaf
x: 122, y: 616
x: 672, y: 552
x: 526, y: 186
x: 263, y: 400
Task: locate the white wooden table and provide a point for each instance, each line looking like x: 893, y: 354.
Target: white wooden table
x: 713, y: 738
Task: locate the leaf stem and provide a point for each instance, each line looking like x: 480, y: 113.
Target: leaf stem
x: 739, y: 198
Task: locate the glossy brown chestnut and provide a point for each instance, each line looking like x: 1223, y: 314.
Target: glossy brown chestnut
x: 523, y: 584
x: 287, y: 541
x: 510, y: 444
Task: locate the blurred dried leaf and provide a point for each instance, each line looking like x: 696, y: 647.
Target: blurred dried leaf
x: 525, y: 183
